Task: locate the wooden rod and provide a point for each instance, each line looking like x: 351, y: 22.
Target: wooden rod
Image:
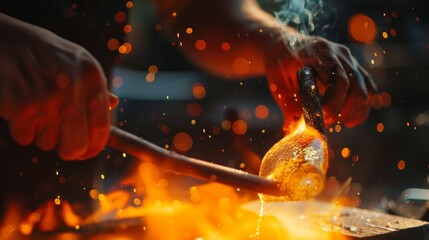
x: 172, y: 161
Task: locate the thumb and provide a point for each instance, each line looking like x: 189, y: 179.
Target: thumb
x: 113, y: 100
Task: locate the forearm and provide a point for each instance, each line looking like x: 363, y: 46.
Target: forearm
x: 237, y: 34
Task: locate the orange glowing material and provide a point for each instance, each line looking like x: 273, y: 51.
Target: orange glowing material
x: 273, y: 87
x: 298, y: 162
x: 241, y: 66
x: 182, y: 141
x: 262, y: 112
x: 153, y: 69
x: 362, y: 28
x: 401, y: 165
x: 129, y: 4
x: 194, y: 109
x: 200, y: 45
x: 345, y: 152
x: 385, y: 35
x: 239, y: 127
x: 225, y: 46
x: 189, y: 30
x: 380, y: 127
x: 150, y: 77
x: 337, y: 128
x: 128, y: 28
x: 198, y: 90
x: 125, y: 48
x: 120, y: 17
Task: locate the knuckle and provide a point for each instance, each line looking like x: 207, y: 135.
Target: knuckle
x: 321, y: 44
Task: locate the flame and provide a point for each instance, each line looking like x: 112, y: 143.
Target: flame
x: 207, y: 211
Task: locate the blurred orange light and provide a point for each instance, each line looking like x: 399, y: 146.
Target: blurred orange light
x: 239, y: 127
x: 150, y: 77
x: 362, y: 28
x: 345, y: 153
x: 194, y: 109
x: 153, y: 69
x: 401, y: 164
x: 225, y: 46
x: 189, y: 30
x: 262, y: 111
x: 128, y: 28
x: 120, y: 17
x: 200, y: 45
x: 380, y: 127
x: 113, y: 44
x: 182, y: 141
x: 129, y: 4
x: 125, y: 48
x: 198, y: 90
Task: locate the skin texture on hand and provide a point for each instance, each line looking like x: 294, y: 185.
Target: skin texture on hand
x: 259, y: 45
x: 53, y: 92
x: 345, y: 86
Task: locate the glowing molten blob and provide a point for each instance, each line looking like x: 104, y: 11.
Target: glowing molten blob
x: 298, y: 162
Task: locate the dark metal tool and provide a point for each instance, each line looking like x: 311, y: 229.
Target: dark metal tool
x: 310, y: 100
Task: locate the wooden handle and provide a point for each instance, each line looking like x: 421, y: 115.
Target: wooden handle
x: 172, y: 161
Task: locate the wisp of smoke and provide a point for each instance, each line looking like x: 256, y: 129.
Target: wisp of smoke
x: 309, y: 17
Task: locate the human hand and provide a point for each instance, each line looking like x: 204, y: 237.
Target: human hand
x: 53, y: 92
x: 344, y: 85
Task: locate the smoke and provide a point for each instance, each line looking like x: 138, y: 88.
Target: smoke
x: 309, y: 17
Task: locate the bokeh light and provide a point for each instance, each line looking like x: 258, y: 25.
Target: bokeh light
x: 182, y: 141
x: 262, y: 112
x: 239, y: 127
x: 120, y: 17
x: 362, y: 28
x: 198, y: 90
x: 200, y: 45
x: 194, y: 109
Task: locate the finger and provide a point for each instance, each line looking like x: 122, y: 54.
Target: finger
x: 371, y: 86
x: 73, y: 136
x: 23, y: 124
x: 356, y: 108
x: 283, y: 85
x: 113, y: 100
x: 23, y: 128
x: 47, y: 134
x: 333, y: 76
x: 99, y: 124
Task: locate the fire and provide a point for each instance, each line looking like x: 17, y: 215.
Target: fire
x: 162, y: 211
